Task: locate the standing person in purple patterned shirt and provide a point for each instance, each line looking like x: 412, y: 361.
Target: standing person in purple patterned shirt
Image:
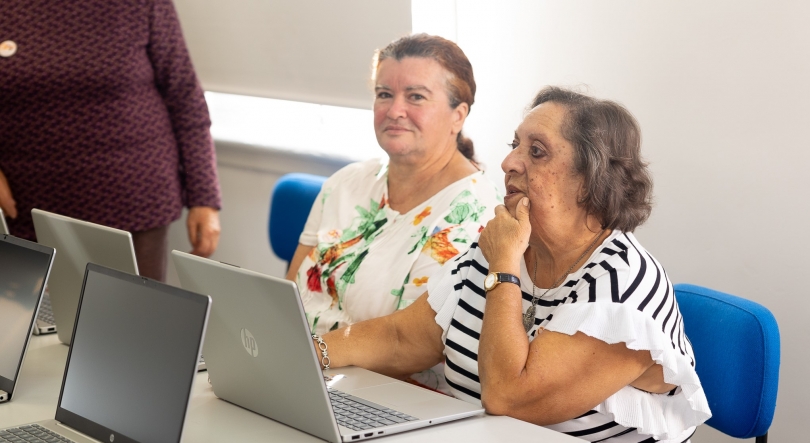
x: 102, y: 118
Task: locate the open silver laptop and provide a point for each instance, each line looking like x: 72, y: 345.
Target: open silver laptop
x: 261, y: 357
x: 78, y: 243
x: 131, y: 364
x: 24, y: 268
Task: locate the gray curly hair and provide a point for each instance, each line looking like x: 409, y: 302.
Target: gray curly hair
x: 617, y: 187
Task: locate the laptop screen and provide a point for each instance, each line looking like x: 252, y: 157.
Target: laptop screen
x: 133, y: 358
x: 23, y: 269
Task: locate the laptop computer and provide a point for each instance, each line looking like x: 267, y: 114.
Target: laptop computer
x: 261, y: 357
x: 24, y: 269
x: 78, y: 243
x: 131, y: 364
x: 44, y: 323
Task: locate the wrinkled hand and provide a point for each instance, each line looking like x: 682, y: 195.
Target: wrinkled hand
x: 203, y: 230
x: 7, y: 202
x: 505, y: 238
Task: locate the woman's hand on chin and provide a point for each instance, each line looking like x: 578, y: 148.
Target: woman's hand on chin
x: 505, y: 238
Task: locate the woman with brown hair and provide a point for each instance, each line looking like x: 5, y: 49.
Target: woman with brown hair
x: 379, y: 229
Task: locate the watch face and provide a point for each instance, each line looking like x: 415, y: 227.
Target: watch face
x: 489, y: 281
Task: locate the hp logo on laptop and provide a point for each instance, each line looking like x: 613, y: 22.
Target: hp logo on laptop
x: 249, y: 343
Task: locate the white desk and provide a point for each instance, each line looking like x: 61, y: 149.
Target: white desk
x: 213, y: 420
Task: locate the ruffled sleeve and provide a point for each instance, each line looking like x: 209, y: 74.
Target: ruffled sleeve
x: 666, y: 417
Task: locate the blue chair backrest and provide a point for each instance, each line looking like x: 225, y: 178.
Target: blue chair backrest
x: 736, y: 346
x: 290, y: 204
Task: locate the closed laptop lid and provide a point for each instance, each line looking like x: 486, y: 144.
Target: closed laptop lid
x: 24, y: 267
x: 78, y: 242
x: 258, y: 348
x: 133, y: 358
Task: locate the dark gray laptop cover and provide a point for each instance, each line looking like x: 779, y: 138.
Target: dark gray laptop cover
x: 24, y: 270
x: 132, y: 362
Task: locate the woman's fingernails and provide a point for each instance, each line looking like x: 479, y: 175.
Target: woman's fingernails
x: 525, y: 201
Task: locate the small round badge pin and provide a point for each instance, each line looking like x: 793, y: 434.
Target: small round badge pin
x: 8, y: 48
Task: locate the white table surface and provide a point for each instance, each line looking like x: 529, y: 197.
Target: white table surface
x: 213, y: 420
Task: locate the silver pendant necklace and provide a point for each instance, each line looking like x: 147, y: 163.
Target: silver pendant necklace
x: 528, y: 317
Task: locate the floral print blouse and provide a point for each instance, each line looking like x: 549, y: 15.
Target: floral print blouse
x: 369, y: 260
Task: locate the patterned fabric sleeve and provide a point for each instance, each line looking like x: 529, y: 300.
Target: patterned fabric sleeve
x: 181, y: 91
x: 625, y: 296
x: 309, y: 236
x: 621, y: 295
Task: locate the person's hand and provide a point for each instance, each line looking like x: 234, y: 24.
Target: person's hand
x: 505, y: 238
x: 203, y: 230
x: 7, y: 202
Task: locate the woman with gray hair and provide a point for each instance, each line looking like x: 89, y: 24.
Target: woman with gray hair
x: 582, y: 332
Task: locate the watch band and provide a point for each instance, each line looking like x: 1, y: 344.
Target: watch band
x: 503, y: 277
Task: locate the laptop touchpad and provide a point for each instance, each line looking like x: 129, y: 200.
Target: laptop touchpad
x: 399, y: 394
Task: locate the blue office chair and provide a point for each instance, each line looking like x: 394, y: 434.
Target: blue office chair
x: 736, y: 346
x: 290, y: 203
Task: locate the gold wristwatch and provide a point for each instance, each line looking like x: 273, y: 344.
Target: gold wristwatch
x: 495, y: 278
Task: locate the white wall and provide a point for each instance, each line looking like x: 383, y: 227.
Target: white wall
x: 316, y: 51
x: 722, y: 92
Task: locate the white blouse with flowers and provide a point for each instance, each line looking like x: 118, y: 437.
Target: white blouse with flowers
x: 369, y: 260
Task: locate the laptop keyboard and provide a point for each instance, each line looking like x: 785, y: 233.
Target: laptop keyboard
x: 31, y: 434
x: 358, y: 414
x: 45, y: 311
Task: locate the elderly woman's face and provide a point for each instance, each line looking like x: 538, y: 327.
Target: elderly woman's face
x: 541, y: 167
x: 412, y: 114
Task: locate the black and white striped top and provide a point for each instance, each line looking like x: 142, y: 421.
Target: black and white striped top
x: 622, y: 294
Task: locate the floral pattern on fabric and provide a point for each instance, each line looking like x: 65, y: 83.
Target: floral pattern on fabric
x: 369, y: 260
x: 329, y: 257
